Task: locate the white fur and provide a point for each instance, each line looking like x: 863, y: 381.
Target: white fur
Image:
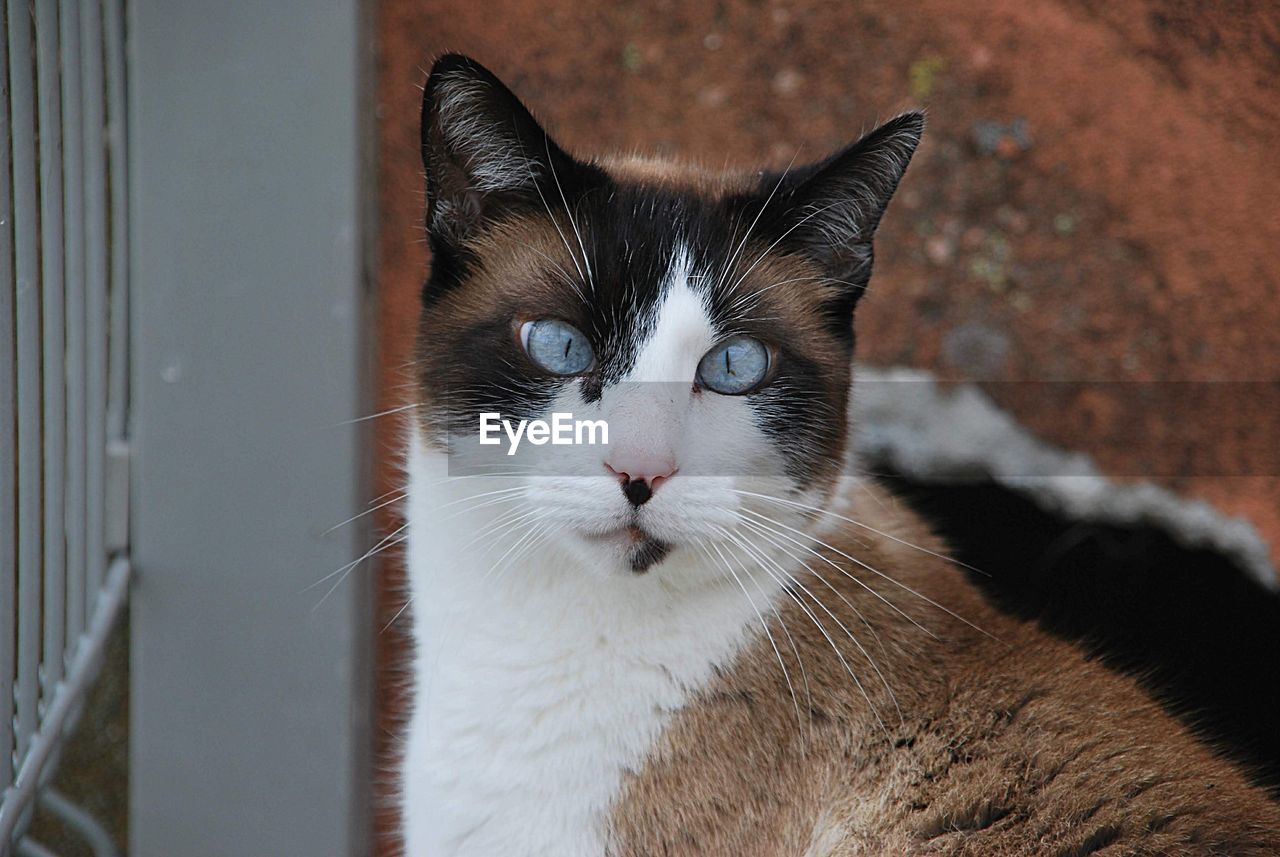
x: 545, y: 669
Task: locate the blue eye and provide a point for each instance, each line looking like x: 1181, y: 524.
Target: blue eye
x: 558, y: 347
x: 735, y: 366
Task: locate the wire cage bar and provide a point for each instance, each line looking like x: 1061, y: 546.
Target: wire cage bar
x: 64, y: 566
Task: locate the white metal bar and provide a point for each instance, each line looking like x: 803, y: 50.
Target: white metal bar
x: 8, y: 437
x: 80, y: 674
x: 96, y: 306
x: 118, y: 398
x: 118, y: 453
x: 73, y: 241
x: 55, y: 555
x: 27, y: 320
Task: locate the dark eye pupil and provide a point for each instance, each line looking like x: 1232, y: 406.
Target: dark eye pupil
x: 728, y: 362
x: 568, y: 343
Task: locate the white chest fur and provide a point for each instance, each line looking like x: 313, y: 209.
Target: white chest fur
x: 538, y: 684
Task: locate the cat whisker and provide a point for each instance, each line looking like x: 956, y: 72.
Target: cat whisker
x: 733, y: 260
x: 506, y: 522
x: 808, y: 690
x: 561, y: 272
x: 382, y: 543
x: 765, y: 626
x: 536, y: 526
x: 748, y: 299
x: 538, y: 187
x: 346, y: 571
x: 889, y: 536
x: 396, y: 410
x: 778, y: 241
x: 484, y: 505
x: 846, y: 573
x: 772, y: 539
x: 549, y: 531
x: 399, y: 495
x: 396, y: 617
x: 540, y: 533
x: 879, y: 574
x: 852, y: 638
x: 569, y: 213
x: 513, y: 489
x: 498, y: 475
x: 813, y: 618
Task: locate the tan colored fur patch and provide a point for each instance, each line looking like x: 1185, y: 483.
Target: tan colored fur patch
x: 1004, y: 746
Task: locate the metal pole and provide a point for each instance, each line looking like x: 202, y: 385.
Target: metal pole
x: 8, y: 436
x: 247, y: 181
x: 77, y: 400
x: 55, y: 553
x: 118, y: 399
x: 27, y: 319
x: 96, y: 305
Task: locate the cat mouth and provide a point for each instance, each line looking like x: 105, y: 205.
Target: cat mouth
x: 643, y: 550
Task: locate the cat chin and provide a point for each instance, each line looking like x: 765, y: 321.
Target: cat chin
x: 627, y: 550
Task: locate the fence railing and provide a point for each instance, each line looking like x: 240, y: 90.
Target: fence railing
x: 64, y: 454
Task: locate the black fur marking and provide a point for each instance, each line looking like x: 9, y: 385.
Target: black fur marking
x: 1188, y: 622
x: 647, y: 554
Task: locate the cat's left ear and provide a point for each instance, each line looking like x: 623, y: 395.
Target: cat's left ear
x: 485, y: 155
x: 829, y: 211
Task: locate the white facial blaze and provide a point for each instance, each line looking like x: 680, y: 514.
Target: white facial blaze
x: 681, y: 335
x: 649, y: 411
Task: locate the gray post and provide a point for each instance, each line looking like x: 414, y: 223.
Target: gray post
x: 250, y: 704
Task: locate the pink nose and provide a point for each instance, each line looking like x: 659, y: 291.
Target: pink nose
x: 639, y: 479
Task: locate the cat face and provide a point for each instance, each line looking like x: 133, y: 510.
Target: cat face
x: 706, y: 319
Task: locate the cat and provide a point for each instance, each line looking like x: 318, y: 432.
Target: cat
x: 709, y: 636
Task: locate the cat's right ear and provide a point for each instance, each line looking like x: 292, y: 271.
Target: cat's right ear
x: 484, y: 153
x: 829, y: 211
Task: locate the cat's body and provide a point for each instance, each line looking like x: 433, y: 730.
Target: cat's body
x: 741, y: 652
x: 555, y: 718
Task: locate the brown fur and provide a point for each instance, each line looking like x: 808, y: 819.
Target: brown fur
x: 1012, y: 745
x: 673, y: 174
